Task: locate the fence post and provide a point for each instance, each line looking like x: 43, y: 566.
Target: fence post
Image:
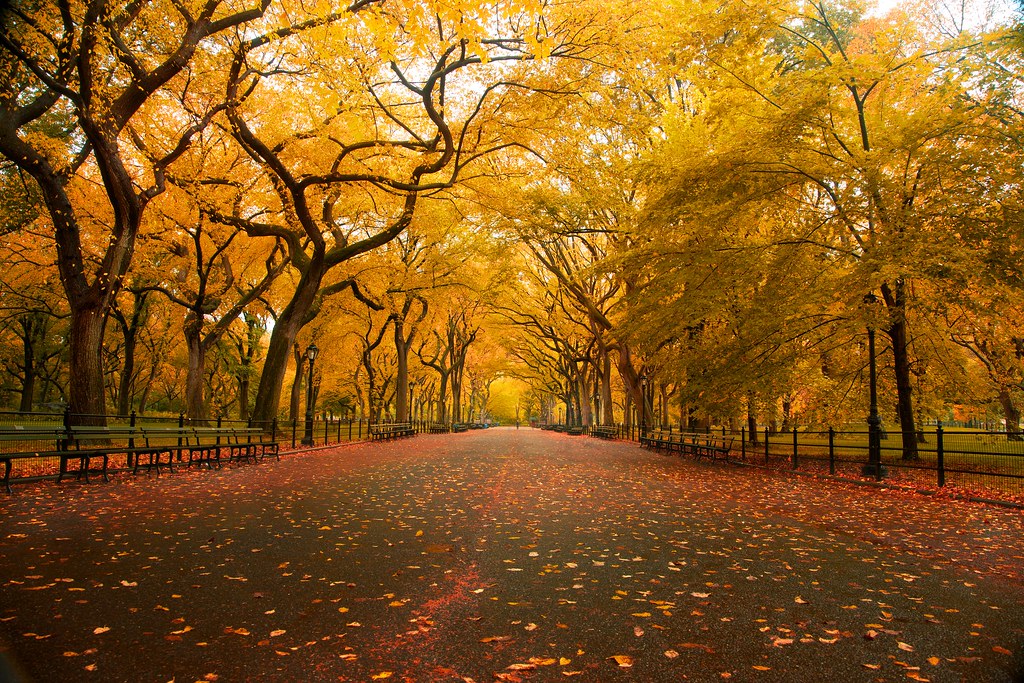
x: 273, y: 429
x: 831, y: 451
x: 350, y: 429
x: 765, y: 445
x: 940, y: 455
x: 743, y: 443
x: 220, y: 420
x: 294, y: 424
x: 794, y: 448
x: 327, y: 426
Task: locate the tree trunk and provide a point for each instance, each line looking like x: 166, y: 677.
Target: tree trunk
x: 752, y: 417
x: 1012, y: 415
x: 126, y: 382
x: 294, y: 404
x: 243, y: 397
x: 402, y: 380
x: 456, y: 382
x: 28, y: 368
x: 787, y: 413
x: 630, y: 378
x: 896, y: 304
x: 286, y: 330
x: 195, y: 400
x: 607, y: 408
x: 85, y: 369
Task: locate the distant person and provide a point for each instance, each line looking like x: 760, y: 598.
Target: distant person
x: 517, y: 424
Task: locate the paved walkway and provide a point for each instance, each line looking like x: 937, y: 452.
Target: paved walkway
x: 504, y: 555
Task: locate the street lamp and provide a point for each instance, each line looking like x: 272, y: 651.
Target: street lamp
x: 643, y: 404
x: 410, y: 411
x: 307, y: 438
x: 874, y: 467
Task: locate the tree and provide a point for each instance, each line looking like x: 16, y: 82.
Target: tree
x: 76, y: 82
x: 382, y: 132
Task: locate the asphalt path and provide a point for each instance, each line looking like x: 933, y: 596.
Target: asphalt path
x: 504, y: 554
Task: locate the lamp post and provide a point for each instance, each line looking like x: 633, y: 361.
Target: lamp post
x: 307, y: 437
x: 412, y: 388
x: 643, y: 404
x: 874, y: 467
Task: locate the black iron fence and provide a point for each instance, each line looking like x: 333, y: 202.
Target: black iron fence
x: 981, y: 462
x: 971, y: 459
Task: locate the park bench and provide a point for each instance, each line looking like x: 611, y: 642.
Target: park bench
x: 712, y: 447
x: 28, y: 442
x: 661, y: 439
x: 85, y: 443
x: 574, y: 431
x: 458, y: 428
x: 384, y: 431
x: 697, y: 445
x: 604, y: 432
x: 144, y: 447
x: 250, y: 443
x: 438, y: 428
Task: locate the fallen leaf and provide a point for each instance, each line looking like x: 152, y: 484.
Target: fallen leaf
x: 495, y: 639
x: 697, y: 646
x: 625, y: 661
x: 758, y: 667
x: 381, y: 676
x: 1001, y: 650
x: 671, y: 654
x: 904, y: 646
x: 278, y: 632
x: 101, y: 629
x: 800, y: 601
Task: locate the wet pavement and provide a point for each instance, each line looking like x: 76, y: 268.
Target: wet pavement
x: 504, y: 554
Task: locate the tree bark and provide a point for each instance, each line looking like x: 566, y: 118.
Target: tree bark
x: 85, y: 383
x: 752, y: 417
x: 895, y: 300
x: 1012, y: 415
x: 286, y: 329
x: 195, y: 398
x: 402, y: 380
